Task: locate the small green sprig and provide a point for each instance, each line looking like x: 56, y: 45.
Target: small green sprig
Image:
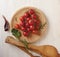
x: 42, y: 25
x: 17, y: 34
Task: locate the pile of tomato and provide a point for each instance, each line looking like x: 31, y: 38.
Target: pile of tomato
x: 29, y: 23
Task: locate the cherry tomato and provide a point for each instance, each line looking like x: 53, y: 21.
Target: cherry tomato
x: 31, y: 27
x: 27, y: 25
x: 35, y: 20
x: 22, y: 18
x: 28, y: 29
x: 35, y: 31
x: 30, y: 22
x: 25, y: 34
x: 28, y: 18
x: 21, y: 23
x: 38, y: 22
x: 26, y: 14
x: 31, y: 11
x: 23, y: 28
x: 37, y: 27
x: 34, y: 16
x: 17, y: 26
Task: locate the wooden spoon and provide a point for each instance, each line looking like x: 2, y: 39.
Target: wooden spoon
x: 22, y: 48
x: 45, y: 50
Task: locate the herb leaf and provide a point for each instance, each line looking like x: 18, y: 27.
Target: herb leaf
x: 16, y: 33
x: 42, y: 26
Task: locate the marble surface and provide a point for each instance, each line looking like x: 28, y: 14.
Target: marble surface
x: 51, y: 8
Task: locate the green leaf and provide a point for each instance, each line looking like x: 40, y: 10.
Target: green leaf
x: 42, y: 26
x: 16, y: 33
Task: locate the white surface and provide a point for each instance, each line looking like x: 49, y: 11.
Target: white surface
x: 51, y: 8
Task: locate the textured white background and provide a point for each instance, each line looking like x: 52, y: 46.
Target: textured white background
x: 51, y: 8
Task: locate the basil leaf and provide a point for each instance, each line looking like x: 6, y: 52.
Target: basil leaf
x: 16, y: 33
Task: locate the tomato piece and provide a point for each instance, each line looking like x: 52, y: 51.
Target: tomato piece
x: 31, y: 11
x: 23, y: 28
x: 29, y: 18
x: 35, y: 20
x: 38, y: 22
x: 26, y: 15
x: 30, y: 22
x: 37, y: 27
x: 28, y: 29
x: 22, y: 24
x: 25, y: 33
x: 27, y: 25
x: 17, y: 26
x: 34, y: 16
x: 32, y: 27
x: 35, y: 31
x: 22, y: 18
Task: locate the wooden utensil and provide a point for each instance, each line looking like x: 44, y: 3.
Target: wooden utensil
x: 45, y: 50
x: 22, y: 48
x: 30, y: 54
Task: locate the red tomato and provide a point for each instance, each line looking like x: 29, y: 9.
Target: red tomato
x: 30, y: 22
x: 31, y: 27
x: 26, y: 14
x: 25, y: 34
x: 27, y: 25
x: 31, y: 11
x: 28, y: 19
x: 34, y: 16
x: 28, y: 29
x: 35, y: 20
x: 23, y: 28
x: 35, y: 31
x: 17, y: 26
x: 38, y: 22
x: 22, y: 18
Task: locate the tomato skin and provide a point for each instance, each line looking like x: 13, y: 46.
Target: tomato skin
x: 30, y: 22
x: 22, y: 18
x: 22, y: 28
x: 31, y: 27
x: 35, y: 32
x: 22, y: 24
x: 27, y: 25
x: 17, y: 26
x: 26, y: 14
x: 38, y: 22
x: 28, y: 29
x: 34, y: 16
x: 25, y: 34
x: 31, y: 11
x: 28, y: 19
x: 35, y: 20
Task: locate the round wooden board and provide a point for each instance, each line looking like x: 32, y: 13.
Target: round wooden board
x: 42, y: 17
